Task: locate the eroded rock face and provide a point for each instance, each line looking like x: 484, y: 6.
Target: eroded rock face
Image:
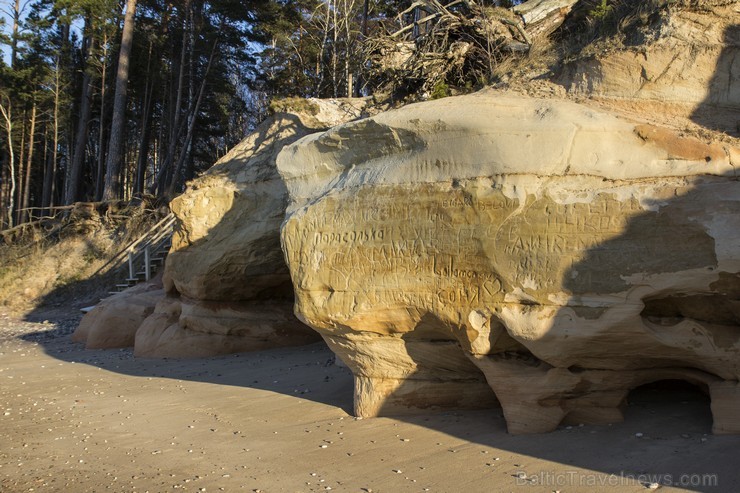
x: 181, y: 328
x: 226, y: 286
x: 227, y: 245
x: 689, y: 70
x: 555, y: 253
x: 114, y: 321
x: 225, y: 274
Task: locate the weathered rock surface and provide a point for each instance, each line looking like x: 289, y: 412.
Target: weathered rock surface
x: 690, y: 69
x: 542, y: 251
x: 114, y: 321
x: 227, y: 242
x: 180, y: 328
x: 226, y: 283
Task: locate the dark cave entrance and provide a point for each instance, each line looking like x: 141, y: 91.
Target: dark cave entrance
x: 674, y: 406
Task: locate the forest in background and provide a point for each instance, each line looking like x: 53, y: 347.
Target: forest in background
x: 117, y: 99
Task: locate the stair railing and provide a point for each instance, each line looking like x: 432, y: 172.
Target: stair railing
x: 144, y: 246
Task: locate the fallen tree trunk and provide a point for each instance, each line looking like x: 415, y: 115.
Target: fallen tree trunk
x: 542, y: 17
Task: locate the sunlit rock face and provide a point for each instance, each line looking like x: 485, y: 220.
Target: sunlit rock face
x: 227, y: 243
x: 226, y: 286
x: 225, y: 274
x: 536, y: 252
x: 683, y: 65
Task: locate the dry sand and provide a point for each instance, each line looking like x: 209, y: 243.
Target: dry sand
x: 279, y: 421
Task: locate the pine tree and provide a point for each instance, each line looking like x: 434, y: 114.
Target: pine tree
x: 113, y: 162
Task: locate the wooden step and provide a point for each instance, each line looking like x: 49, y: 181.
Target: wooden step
x: 157, y: 243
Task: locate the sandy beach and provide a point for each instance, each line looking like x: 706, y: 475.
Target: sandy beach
x: 280, y: 421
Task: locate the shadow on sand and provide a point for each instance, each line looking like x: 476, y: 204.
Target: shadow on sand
x: 675, y: 419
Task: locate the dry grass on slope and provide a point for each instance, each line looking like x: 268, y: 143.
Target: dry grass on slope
x: 55, y: 262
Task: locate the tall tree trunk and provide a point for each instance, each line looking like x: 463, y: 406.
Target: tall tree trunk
x: 349, y: 6
x: 21, y: 161
x: 146, y: 131
x: 4, y: 189
x: 48, y: 178
x: 157, y: 158
x: 124, y: 175
x: 359, y: 79
x: 191, y: 127
x: 6, y: 114
x: 100, y: 175
x: 55, y: 150
x: 113, y: 161
x: 74, y: 170
x: 29, y: 160
x: 334, y: 55
x: 65, y: 53
x: 51, y: 169
x: 164, y: 174
x: 320, y: 68
x: 14, y: 34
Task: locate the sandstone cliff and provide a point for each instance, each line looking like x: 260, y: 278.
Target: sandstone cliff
x: 539, y: 253
x: 554, y: 252
x: 677, y: 67
x: 226, y: 286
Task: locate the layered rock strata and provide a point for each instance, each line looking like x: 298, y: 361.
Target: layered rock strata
x: 681, y: 64
x: 537, y: 252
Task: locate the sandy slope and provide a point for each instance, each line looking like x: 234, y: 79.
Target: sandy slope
x: 277, y: 421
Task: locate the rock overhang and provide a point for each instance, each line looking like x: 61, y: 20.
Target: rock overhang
x: 525, y: 233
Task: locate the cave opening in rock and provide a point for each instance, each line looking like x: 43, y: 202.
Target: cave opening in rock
x: 719, y: 310
x: 716, y: 309
x: 673, y: 406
